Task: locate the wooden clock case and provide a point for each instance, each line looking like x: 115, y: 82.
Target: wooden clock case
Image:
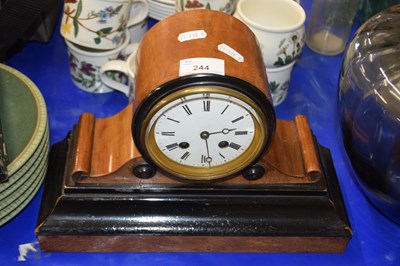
x: 101, y: 195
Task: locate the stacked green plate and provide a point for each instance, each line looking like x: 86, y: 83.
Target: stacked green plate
x: 24, y: 121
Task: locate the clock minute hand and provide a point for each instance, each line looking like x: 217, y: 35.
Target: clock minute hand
x: 223, y: 131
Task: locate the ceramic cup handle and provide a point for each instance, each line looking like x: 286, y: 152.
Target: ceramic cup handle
x: 139, y: 12
x: 122, y: 67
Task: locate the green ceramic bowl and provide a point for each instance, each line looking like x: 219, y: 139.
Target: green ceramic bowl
x: 20, y: 178
x: 31, y: 177
x: 22, y: 200
x: 15, y: 179
x: 23, y: 116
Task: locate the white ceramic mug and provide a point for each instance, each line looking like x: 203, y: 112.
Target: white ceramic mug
x: 100, y: 24
x: 279, y: 81
x: 138, y: 29
x: 278, y: 25
x: 227, y: 6
x: 125, y: 67
x: 85, y: 64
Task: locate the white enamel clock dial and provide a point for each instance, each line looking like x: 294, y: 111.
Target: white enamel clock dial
x: 204, y: 130
x: 204, y: 133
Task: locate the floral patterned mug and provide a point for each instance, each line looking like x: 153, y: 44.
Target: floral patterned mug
x: 279, y: 82
x: 100, y: 24
x: 278, y: 26
x: 85, y: 64
x: 227, y: 6
x: 123, y: 67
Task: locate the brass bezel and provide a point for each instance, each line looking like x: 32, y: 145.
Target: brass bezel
x: 201, y: 173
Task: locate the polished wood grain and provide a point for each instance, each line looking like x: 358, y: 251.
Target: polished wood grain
x: 84, y: 144
x: 104, y: 152
x: 307, y: 146
x: 160, y: 50
x: 295, y: 244
x: 103, y: 145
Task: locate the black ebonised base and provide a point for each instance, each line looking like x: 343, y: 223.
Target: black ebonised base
x: 190, y: 217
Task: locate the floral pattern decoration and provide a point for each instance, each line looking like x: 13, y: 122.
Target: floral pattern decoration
x: 278, y: 91
x: 284, y: 55
x: 194, y: 4
x: 75, y: 20
x: 87, y: 75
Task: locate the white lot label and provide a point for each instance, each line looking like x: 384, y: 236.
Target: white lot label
x: 231, y: 52
x: 201, y: 65
x: 192, y: 35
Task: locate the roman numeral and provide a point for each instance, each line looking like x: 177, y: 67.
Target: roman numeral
x: 206, y: 106
x: 173, y: 120
x: 172, y: 146
x: 185, y: 155
x: 205, y: 159
x: 187, y: 110
x: 237, y: 119
x: 241, y: 132
x: 234, y: 146
x: 223, y: 111
x: 168, y: 133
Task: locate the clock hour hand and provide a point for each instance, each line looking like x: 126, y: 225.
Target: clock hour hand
x: 205, y: 135
x: 224, y: 131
